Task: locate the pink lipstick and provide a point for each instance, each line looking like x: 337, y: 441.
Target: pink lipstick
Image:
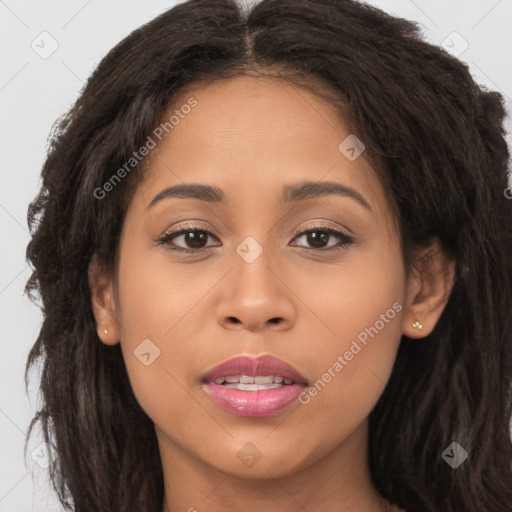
x: 254, y: 386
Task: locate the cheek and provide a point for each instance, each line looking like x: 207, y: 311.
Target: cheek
x: 157, y: 295
x: 155, y: 333
x: 360, y: 308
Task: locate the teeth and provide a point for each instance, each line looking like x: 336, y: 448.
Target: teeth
x: 246, y: 380
x: 264, y: 380
x: 253, y: 387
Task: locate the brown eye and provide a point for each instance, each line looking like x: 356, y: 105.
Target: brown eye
x: 195, y: 239
x: 319, y: 238
x: 187, y: 239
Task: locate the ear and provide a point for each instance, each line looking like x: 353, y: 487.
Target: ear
x: 103, y: 303
x: 428, y: 290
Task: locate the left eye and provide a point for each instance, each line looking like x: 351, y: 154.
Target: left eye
x: 195, y: 239
x: 318, y: 238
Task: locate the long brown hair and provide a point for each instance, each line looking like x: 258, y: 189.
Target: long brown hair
x: 437, y: 141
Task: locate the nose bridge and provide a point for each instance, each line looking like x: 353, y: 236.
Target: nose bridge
x: 253, y: 278
x: 255, y: 297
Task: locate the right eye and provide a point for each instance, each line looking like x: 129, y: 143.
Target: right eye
x: 193, y: 237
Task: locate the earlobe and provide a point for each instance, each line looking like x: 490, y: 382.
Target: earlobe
x: 428, y: 291
x: 103, y: 303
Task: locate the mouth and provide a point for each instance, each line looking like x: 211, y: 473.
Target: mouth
x: 257, y: 383
x: 254, y: 386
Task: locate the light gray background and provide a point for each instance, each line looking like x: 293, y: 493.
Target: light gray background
x: 34, y: 91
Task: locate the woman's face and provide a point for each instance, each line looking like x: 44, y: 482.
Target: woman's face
x: 258, y: 284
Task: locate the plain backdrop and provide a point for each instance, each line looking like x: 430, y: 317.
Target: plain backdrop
x: 48, y: 51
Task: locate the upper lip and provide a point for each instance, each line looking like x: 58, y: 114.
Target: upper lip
x: 254, y: 366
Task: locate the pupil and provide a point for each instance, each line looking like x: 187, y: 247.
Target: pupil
x: 195, y: 238
x: 317, y: 240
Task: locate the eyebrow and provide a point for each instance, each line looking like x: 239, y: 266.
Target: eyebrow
x: 290, y: 194
x: 311, y: 189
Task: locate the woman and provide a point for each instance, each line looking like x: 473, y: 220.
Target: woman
x: 273, y: 249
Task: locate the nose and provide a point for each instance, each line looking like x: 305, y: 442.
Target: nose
x: 255, y: 297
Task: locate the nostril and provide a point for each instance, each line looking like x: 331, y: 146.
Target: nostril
x: 234, y: 319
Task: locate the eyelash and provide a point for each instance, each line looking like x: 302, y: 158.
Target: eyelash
x: 344, y: 240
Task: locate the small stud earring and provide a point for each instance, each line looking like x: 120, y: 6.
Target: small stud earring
x: 417, y: 325
x: 106, y: 331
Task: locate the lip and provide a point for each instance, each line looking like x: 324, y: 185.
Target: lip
x: 252, y: 366
x: 260, y: 403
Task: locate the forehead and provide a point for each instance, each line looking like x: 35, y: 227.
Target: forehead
x: 254, y: 135
x: 243, y: 112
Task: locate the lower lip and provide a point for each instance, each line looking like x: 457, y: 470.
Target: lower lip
x: 260, y: 403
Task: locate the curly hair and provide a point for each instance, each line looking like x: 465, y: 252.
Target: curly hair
x: 436, y: 140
